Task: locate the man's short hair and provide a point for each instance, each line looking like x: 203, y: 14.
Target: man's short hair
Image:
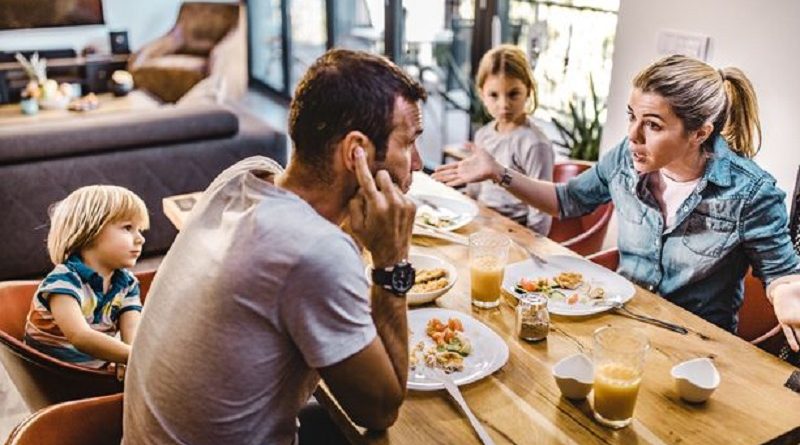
x: 346, y: 91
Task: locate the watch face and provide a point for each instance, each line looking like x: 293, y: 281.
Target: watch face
x: 403, y: 277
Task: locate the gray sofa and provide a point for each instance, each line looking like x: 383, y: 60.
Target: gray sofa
x: 156, y: 153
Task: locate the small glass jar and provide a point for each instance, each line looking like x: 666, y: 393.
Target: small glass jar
x: 533, y: 319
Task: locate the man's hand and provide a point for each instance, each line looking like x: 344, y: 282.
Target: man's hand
x: 786, y: 301
x: 381, y: 217
x: 479, y: 166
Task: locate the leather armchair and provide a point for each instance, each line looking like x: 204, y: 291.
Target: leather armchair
x: 191, y: 51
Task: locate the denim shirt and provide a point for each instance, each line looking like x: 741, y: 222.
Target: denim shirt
x: 734, y: 218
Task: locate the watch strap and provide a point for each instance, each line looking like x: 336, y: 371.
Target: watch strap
x: 505, y: 178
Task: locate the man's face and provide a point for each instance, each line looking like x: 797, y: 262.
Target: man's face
x: 402, y: 155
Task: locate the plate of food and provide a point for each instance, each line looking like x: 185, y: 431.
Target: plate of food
x: 443, y: 213
x: 463, y: 347
x: 434, y: 277
x: 572, y: 285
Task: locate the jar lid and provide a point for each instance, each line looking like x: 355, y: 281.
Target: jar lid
x: 533, y: 299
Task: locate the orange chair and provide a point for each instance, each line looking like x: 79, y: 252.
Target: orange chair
x: 584, y: 234
x: 41, y: 379
x: 757, y: 322
x: 92, y: 421
x: 564, y: 171
x: 608, y: 258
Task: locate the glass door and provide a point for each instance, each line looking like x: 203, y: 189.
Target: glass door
x: 308, y: 38
x: 359, y: 25
x: 266, y: 44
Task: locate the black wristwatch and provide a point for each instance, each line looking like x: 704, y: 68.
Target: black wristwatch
x: 397, y: 279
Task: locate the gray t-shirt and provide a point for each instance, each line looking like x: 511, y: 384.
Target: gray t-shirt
x: 527, y: 150
x: 257, y: 292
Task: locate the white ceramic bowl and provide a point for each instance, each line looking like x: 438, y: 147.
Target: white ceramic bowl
x: 421, y: 261
x: 574, y: 376
x: 696, y: 379
x: 54, y: 103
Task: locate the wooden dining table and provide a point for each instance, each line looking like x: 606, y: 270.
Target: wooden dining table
x: 521, y: 404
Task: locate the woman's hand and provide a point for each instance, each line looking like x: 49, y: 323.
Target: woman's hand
x: 786, y: 302
x: 479, y: 166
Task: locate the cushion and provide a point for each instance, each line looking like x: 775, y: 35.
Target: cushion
x: 114, y: 131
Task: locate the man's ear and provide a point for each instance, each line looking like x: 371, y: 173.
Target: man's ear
x: 350, y: 142
x: 703, y: 133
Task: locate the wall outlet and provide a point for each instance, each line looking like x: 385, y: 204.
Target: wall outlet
x: 685, y: 43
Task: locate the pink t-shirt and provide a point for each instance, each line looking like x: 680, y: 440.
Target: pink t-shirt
x: 670, y: 194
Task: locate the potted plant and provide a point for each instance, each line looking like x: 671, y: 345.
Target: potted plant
x: 580, y: 130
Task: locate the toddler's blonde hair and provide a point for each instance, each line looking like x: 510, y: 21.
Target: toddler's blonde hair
x: 76, y: 221
x: 508, y: 60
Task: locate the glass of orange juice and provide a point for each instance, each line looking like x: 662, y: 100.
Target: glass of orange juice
x: 488, y: 254
x: 618, y: 365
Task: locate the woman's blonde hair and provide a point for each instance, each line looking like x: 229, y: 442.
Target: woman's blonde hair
x: 508, y: 60
x: 76, y: 221
x: 698, y: 93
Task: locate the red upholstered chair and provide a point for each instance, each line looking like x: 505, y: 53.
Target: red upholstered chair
x: 40, y: 379
x: 757, y: 321
x: 564, y: 171
x: 584, y: 234
x: 608, y: 258
x: 92, y: 421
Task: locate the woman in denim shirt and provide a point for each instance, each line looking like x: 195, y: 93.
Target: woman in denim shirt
x: 694, y: 211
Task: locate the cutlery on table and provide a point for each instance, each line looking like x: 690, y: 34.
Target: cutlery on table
x: 538, y: 260
x: 438, y: 375
x: 435, y: 232
x: 427, y: 202
x: 620, y: 307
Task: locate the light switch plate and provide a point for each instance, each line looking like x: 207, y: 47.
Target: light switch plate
x: 681, y: 42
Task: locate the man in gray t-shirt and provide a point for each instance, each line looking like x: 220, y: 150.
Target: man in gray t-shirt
x: 262, y: 293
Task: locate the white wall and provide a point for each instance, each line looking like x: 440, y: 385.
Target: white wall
x: 760, y: 37
x: 144, y: 20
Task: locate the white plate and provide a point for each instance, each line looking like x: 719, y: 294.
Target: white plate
x: 489, y: 351
x: 463, y: 211
x: 616, y: 287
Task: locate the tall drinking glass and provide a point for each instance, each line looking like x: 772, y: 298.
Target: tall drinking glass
x: 488, y: 254
x: 618, y: 365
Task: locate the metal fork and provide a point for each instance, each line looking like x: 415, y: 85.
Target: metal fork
x: 533, y: 256
x: 439, y: 376
x: 427, y: 202
x: 620, y: 307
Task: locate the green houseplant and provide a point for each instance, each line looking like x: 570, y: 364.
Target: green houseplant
x: 580, y: 130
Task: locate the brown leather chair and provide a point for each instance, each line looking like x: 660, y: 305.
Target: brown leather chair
x: 584, y: 234
x: 172, y: 64
x: 757, y: 322
x: 41, y: 379
x: 92, y: 421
